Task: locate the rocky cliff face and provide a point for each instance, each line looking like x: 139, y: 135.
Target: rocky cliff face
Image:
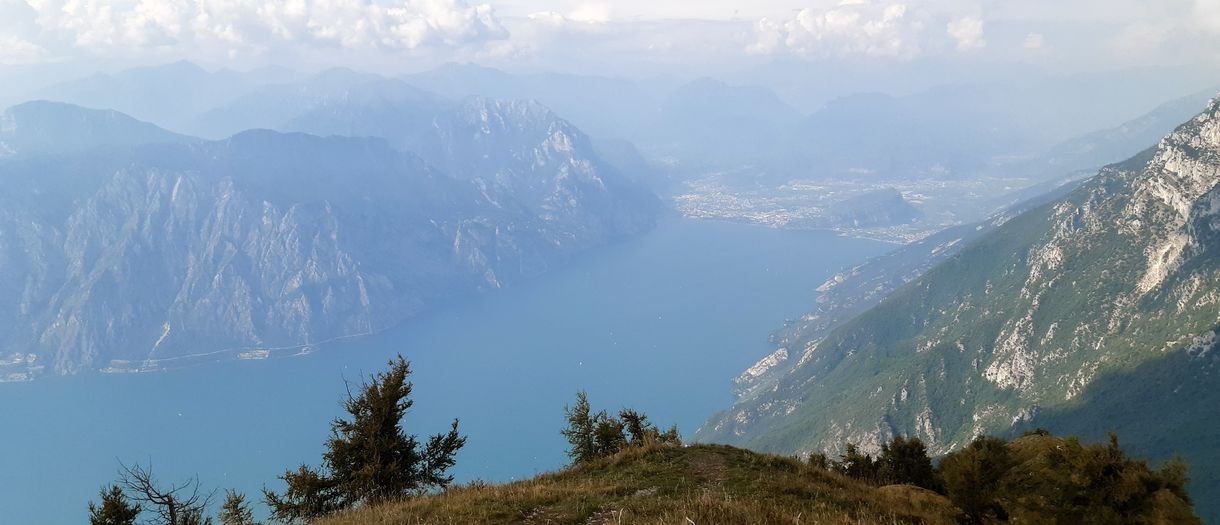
x: 519, y: 154
x: 1023, y: 323
x: 164, y: 254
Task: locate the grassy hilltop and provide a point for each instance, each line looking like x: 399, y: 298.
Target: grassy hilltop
x: 661, y: 484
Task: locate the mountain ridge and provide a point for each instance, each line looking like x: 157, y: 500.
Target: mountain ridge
x: 159, y: 254
x: 1020, y: 321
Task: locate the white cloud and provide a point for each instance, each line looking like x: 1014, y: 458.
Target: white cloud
x: 582, y: 33
x: 1206, y: 14
x: 117, y: 26
x: 853, y: 27
x: 967, y: 32
x: 15, y: 50
x: 1141, y: 38
x: 584, y: 15
x: 591, y: 13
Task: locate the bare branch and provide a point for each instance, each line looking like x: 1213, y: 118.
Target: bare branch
x: 172, y: 504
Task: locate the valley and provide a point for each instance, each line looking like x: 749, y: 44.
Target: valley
x: 895, y: 211
x: 862, y: 286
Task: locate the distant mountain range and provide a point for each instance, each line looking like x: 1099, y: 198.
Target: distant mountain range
x: 1096, y: 311
x: 683, y: 127
x: 127, y: 247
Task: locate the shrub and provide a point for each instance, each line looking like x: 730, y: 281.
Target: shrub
x: 592, y: 436
x: 972, y: 476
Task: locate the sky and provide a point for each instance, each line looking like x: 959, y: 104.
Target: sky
x: 620, y: 36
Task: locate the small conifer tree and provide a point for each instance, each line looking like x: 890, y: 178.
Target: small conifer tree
x: 580, y: 430
x: 856, y: 464
x: 972, y: 478
x: 236, y: 510
x: 115, y: 508
x: 639, y: 430
x: 369, y: 458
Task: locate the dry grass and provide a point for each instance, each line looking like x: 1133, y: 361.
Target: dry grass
x: 697, y: 485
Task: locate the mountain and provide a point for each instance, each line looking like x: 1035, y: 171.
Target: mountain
x: 940, y: 133
x: 169, y: 95
x: 335, y: 101
x: 52, y: 128
x: 1096, y: 149
x: 602, y: 106
x: 697, y: 124
x: 1102, y: 296
x: 856, y: 289
x: 882, y: 207
x: 169, y: 252
x: 707, y: 123
x: 519, y: 153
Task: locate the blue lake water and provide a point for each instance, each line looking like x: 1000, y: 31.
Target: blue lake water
x: 661, y: 323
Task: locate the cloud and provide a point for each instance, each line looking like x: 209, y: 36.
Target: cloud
x: 849, y: 28
x: 591, y: 13
x: 15, y: 50
x: 580, y: 34
x: 1206, y: 15
x: 1141, y: 38
x: 967, y: 32
x: 112, y: 27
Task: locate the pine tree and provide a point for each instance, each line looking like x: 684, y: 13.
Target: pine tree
x: 856, y: 464
x: 906, y: 461
x: 580, y: 431
x: 639, y: 430
x: 194, y: 517
x: 236, y: 511
x: 369, y: 458
x: 116, y: 508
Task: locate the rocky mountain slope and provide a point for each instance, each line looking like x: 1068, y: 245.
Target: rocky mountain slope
x: 136, y: 248
x: 515, y: 151
x: 1027, y: 324
x: 856, y: 289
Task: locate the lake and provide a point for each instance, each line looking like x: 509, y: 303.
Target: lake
x: 660, y: 323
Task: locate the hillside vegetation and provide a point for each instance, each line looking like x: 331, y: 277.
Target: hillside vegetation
x: 627, y: 470
x: 662, y: 484
x: 1033, y: 479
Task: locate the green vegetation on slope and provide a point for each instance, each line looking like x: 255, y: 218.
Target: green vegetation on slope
x: 1034, y: 479
x: 704, y: 484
